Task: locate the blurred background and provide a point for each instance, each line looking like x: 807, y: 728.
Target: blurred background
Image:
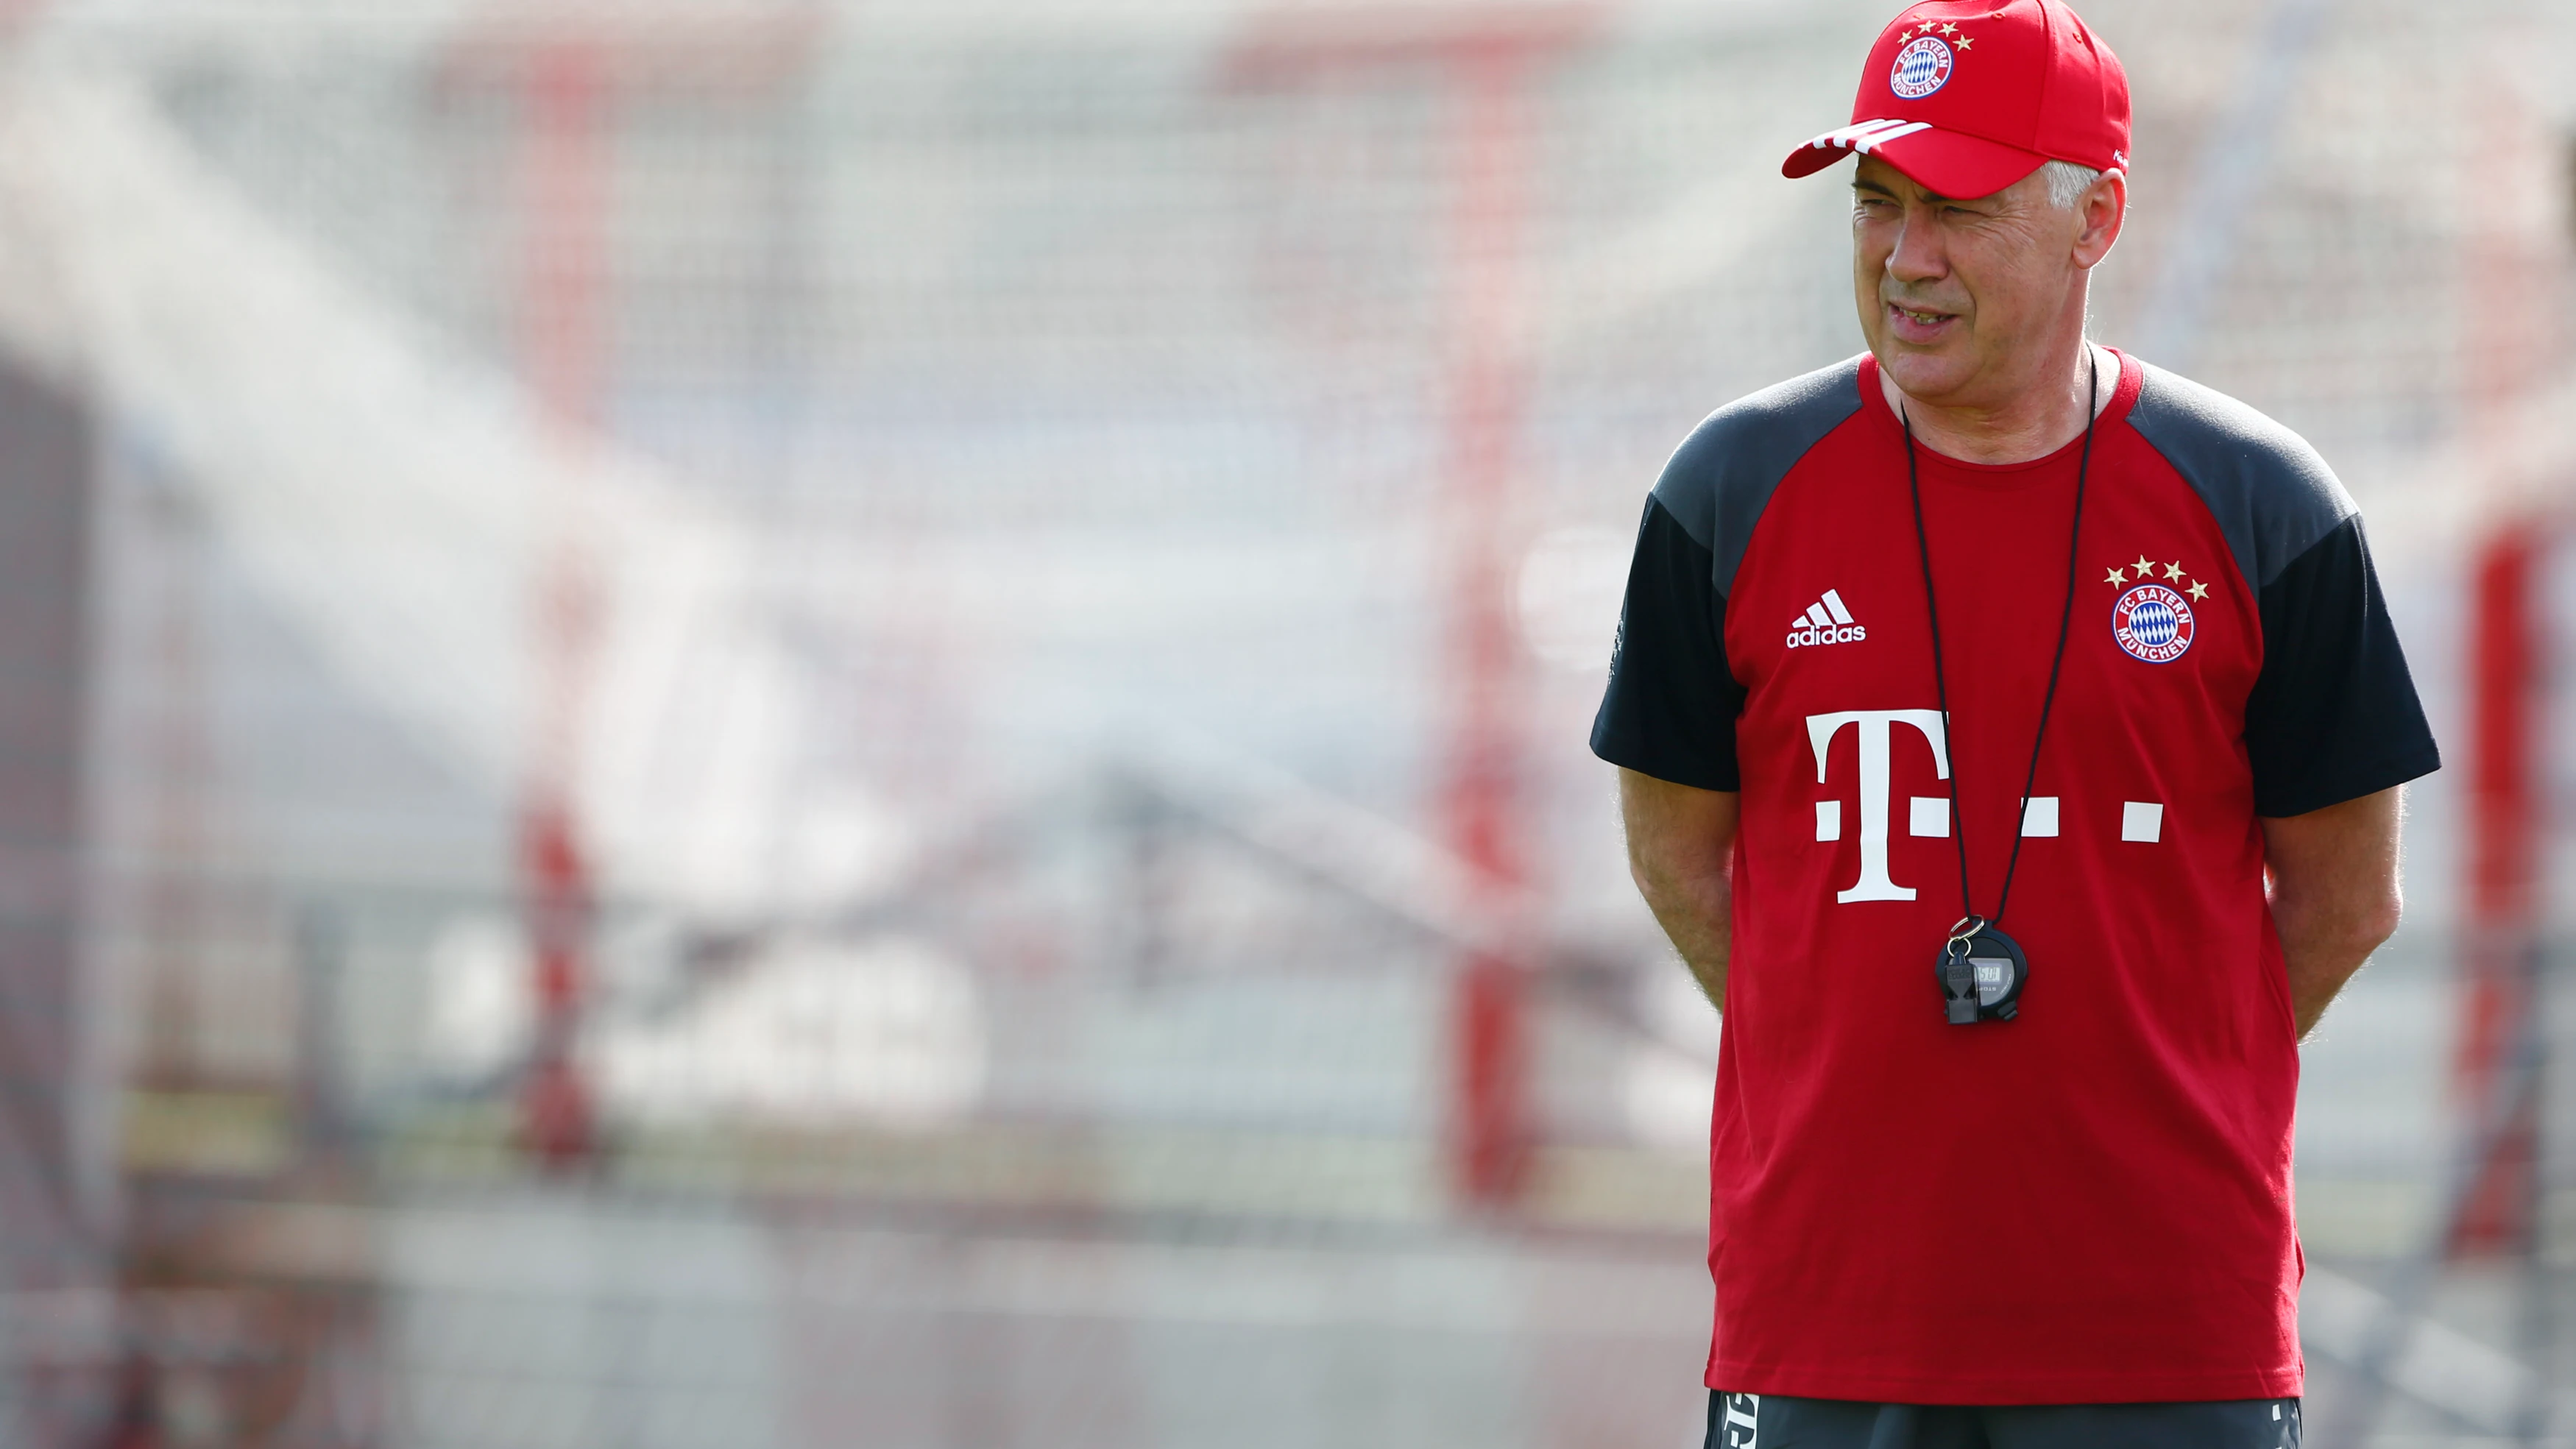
x: 862, y: 724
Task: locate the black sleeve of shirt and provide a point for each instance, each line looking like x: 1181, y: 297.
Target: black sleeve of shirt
x: 2333, y: 716
x: 1671, y: 705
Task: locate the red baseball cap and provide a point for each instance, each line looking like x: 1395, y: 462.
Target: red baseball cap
x: 1970, y: 96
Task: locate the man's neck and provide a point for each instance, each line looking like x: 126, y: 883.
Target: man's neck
x: 2035, y: 424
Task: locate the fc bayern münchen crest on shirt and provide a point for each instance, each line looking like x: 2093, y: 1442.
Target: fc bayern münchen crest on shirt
x: 2152, y: 623
x: 1922, y: 67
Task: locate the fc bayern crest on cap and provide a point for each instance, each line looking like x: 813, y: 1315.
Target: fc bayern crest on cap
x: 1922, y: 67
x: 2152, y: 623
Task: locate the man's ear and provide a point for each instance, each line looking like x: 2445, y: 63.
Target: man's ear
x: 2101, y: 212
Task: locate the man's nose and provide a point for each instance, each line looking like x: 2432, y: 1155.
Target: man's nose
x: 1918, y: 255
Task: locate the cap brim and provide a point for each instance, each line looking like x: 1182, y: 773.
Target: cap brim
x: 1944, y: 162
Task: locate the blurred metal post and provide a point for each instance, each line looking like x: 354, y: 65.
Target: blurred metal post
x: 570, y: 75
x: 2504, y: 851
x: 1488, y: 60
x: 2506, y: 1013
x: 2507, y: 668
x: 565, y: 252
x: 2506, y: 1016
x: 1481, y: 795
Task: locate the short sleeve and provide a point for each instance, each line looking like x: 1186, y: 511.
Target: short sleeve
x: 2333, y: 715
x: 1671, y: 704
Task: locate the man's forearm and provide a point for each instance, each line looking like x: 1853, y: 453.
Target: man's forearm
x: 2334, y: 895
x: 1698, y: 915
x: 1681, y: 841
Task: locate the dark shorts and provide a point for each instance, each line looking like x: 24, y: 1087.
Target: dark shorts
x: 1768, y: 1421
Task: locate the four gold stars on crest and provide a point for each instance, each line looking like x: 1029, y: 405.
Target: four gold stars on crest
x: 1929, y: 28
x: 2146, y: 570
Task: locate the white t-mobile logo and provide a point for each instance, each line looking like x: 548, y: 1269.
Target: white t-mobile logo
x: 1876, y: 725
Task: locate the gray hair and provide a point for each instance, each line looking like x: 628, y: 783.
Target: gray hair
x: 2067, y: 183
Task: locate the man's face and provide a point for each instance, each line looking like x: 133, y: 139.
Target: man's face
x: 1957, y: 297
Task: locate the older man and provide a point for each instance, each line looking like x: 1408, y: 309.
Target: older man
x: 1968, y: 696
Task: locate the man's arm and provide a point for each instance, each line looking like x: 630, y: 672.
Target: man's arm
x: 2334, y: 893
x: 1679, y: 839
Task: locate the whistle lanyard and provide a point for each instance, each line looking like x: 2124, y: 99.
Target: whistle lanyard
x: 1969, y: 921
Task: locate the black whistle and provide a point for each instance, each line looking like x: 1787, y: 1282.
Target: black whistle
x: 1959, y: 985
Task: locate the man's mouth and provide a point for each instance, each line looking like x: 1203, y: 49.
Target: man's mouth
x: 1918, y: 324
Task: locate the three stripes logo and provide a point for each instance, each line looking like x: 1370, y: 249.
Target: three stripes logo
x: 1826, y: 621
x: 1868, y: 136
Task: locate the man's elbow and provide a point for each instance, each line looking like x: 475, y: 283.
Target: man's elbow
x: 2367, y: 928
x: 2380, y: 923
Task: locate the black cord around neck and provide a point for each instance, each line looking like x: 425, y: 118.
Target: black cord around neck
x: 1940, y: 676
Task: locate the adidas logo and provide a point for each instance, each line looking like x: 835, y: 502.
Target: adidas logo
x: 1826, y: 621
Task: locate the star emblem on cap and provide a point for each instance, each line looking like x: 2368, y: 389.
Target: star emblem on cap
x: 2198, y: 591
x: 2117, y: 576
x: 1965, y: 42
x: 2173, y: 571
x: 1949, y: 30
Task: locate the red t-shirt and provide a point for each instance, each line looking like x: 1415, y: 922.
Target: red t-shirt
x: 2091, y: 1202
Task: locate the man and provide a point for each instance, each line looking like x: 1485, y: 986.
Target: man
x: 1967, y: 694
